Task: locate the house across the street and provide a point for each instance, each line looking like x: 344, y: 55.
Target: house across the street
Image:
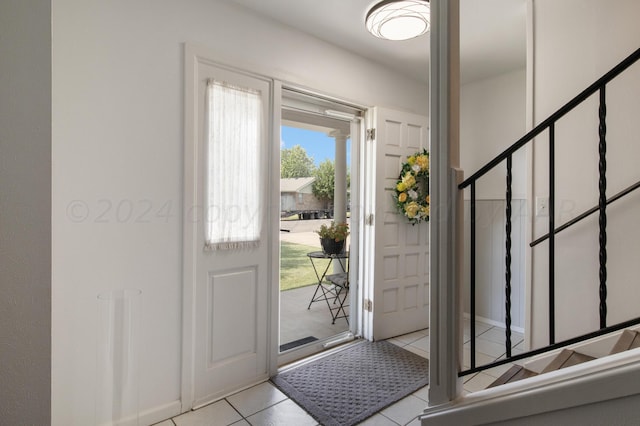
x: 296, y: 197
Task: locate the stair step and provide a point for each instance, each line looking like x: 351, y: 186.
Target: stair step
x: 629, y: 339
x: 515, y: 373
x: 566, y: 358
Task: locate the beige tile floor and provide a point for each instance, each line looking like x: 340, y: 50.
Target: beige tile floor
x: 264, y: 404
x: 489, y: 347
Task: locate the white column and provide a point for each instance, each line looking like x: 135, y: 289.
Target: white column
x: 444, y: 86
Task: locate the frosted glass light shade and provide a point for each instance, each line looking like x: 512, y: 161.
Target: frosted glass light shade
x: 399, y: 19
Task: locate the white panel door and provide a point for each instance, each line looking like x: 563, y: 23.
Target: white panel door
x: 400, y: 257
x: 226, y: 290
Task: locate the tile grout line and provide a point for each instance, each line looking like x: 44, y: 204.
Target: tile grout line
x: 264, y: 409
x: 236, y: 410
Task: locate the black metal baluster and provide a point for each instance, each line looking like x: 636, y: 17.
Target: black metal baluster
x: 472, y: 277
x: 507, y: 272
x: 552, y: 239
x: 602, y: 202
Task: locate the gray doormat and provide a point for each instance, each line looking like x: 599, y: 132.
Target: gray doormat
x: 348, y: 386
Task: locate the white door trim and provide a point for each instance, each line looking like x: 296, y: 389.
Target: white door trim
x: 274, y: 211
x: 367, y: 235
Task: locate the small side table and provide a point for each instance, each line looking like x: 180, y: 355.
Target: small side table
x: 337, y: 286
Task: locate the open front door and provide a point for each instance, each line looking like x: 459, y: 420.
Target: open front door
x: 227, y: 266
x: 397, y: 278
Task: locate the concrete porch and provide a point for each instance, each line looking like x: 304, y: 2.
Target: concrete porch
x: 298, y: 322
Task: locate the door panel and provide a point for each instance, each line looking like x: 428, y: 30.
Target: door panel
x: 230, y: 287
x: 227, y: 291
x: 400, y: 261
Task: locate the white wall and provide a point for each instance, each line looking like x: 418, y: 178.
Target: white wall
x: 490, y: 261
x: 575, y: 42
x: 492, y: 117
x: 25, y: 209
x: 117, y: 165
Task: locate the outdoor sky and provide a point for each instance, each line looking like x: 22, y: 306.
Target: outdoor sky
x: 318, y: 145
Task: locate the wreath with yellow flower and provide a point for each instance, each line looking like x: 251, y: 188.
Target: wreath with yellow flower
x: 412, y: 188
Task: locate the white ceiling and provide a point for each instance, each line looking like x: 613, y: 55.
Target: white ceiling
x: 492, y: 33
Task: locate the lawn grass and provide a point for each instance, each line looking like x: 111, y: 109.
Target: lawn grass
x: 295, y: 267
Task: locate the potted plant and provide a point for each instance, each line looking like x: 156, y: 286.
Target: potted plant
x: 332, y: 237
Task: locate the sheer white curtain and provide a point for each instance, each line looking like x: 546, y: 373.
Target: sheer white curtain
x: 233, y: 211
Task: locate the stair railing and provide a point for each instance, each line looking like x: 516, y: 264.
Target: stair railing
x: 507, y: 155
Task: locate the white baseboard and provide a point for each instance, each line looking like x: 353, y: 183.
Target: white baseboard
x: 494, y: 323
x: 160, y: 413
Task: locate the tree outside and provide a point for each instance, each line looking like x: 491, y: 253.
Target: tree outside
x: 295, y: 163
x: 325, y: 181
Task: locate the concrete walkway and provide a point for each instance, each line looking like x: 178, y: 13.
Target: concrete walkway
x: 303, y: 231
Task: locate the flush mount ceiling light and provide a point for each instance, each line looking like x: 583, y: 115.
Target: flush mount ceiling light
x: 399, y: 19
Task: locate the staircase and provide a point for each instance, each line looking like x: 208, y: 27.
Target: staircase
x: 604, y: 390
x: 568, y: 357
x: 585, y: 379
x: 597, y: 91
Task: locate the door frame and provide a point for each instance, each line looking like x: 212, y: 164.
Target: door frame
x: 357, y: 221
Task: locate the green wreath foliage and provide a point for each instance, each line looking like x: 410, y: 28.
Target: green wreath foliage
x: 412, y: 188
